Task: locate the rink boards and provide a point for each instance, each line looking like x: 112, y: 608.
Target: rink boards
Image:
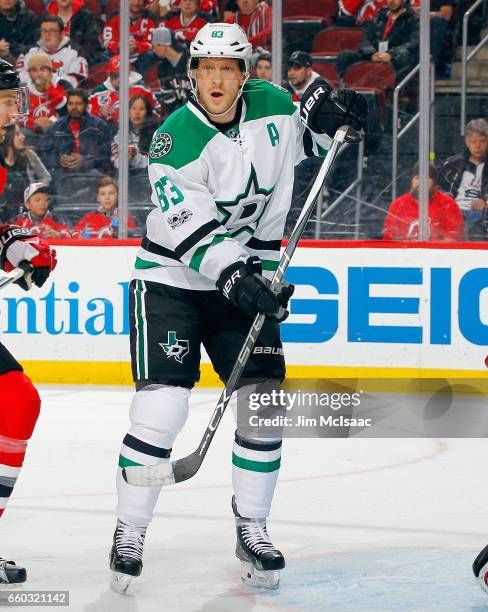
x: 359, y: 309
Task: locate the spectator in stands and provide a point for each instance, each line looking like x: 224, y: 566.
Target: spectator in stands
x: 465, y: 176
x: 441, y: 14
x: 80, y: 26
x: 104, y: 99
x: 209, y: 8
x: 142, y: 23
x: 142, y: 125
x: 264, y: 68
x: 255, y: 19
x: 23, y: 167
x: 104, y: 222
x: 18, y: 29
x: 445, y: 218
x: 37, y: 217
x: 79, y: 142
x: 47, y: 99
x: 186, y: 22
x: 300, y: 73
x: 172, y: 69
x: 71, y: 68
x: 392, y: 36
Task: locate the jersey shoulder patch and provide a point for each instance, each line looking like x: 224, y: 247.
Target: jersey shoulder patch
x: 180, y: 140
x: 265, y: 99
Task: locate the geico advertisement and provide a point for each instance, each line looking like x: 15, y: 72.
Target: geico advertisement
x: 423, y: 308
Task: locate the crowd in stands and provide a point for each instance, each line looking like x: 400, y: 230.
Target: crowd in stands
x: 68, y: 56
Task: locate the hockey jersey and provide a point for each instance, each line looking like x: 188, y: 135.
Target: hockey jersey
x: 68, y: 65
x: 220, y: 198
x: 44, y: 104
x: 140, y: 30
x: 104, y: 100
x: 98, y: 224
x: 185, y: 33
x: 43, y: 227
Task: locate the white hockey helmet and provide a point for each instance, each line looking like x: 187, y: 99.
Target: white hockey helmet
x: 222, y: 40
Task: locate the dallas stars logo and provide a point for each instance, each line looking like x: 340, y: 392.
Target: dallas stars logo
x: 176, y: 348
x: 245, y: 212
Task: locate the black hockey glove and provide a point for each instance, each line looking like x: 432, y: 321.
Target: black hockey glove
x: 243, y: 285
x: 324, y: 110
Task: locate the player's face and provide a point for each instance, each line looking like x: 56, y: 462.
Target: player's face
x: 264, y: 70
x: 8, y: 108
x: 51, y: 35
x: 38, y: 204
x: 138, y: 113
x: 218, y: 81
x: 107, y: 197
x: 247, y: 6
x: 477, y: 144
x: 298, y: 75
x: 189, y: 7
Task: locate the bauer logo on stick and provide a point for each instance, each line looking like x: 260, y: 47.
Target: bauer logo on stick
x: 161, y: 145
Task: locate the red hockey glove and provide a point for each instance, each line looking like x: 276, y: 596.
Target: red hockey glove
x: 18, y: 244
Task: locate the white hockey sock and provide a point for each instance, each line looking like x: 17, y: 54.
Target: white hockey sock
x: 157, y: 415
x: 255, y: 469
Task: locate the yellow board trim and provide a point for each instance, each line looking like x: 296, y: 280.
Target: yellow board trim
x: 119, y: 373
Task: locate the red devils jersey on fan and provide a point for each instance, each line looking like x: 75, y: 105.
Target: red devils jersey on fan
x: 140, y: 30
x: 44, y: 104
x: 40, y: 228
x: 445, y: 218
x: 362, y: 10
x: 3, y: 174
x: 102, y: 103
x: 97, y: 224
x: 257, y: 25
x: 185, y: 32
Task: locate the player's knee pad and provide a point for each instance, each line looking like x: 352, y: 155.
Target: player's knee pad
x: 158, y: 413
x: 254, y: 404
x: 19, y: 405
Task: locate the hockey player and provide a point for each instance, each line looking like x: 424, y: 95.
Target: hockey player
x: 19, y: 400
x: 221, y: 170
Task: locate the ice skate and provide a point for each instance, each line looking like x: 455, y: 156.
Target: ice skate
x: 480, y: 569
x: 126, y: 555
x: 260, y: 560
x: 11, y: 573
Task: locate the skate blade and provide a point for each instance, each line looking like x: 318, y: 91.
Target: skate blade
x: 269, y: 579
x: 482, y: 578
x: 120, y: 582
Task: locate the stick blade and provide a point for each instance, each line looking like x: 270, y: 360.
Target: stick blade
x: 149, y: 475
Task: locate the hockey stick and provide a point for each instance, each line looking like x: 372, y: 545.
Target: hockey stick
x: 185, y: 468
x: 15, y: 274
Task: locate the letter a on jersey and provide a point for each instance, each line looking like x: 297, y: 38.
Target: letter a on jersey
x: 176, y: 348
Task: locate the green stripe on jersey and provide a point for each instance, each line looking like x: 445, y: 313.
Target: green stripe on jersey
x: 264, y: 99
x: 189, y: 136
x: 200, y: 253
x: 322, y: 151
x: 256, y: 466
x: 267, y: 264
x: 124, y: 462
x: 143, y: 264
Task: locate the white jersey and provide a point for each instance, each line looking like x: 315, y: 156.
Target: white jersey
x: 67, y: 64
x: 470, y: 187
x: 220, y: 198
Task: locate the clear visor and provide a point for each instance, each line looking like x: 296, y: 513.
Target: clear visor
x: 216, y: 73
x: 15, y: 102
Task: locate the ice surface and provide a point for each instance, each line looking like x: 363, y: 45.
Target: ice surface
x: 380, y: 525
